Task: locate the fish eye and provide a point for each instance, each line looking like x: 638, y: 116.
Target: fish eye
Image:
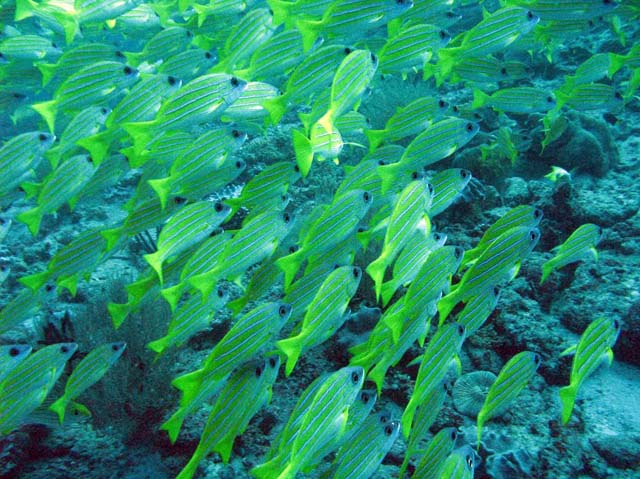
x: 388, y: 430
x: 381, y: 163
x: 103, y: 110
x: 48, y: 288
x: 550, y: 99
x: 464, y: 173
x: 189, y: 33
x: 355, y: 377
x: 442, y: 104
x: 296, y: 168
x: 530, y: 15
x: 218, y: 207
x: 537, y: 213
x: 178, y: 200
x: 13, y: 352
x: 127, y: 70
x: 3, y: 268
x: 64, y: 349
x: 292, y: 249
x: 356, y: 273
x: 234, y: 81
x: 469, y: 127
x: 282, y: 310
x: 286, y: 217
x: 442, y: 34
x: 272, y: 362
x: 470, y: 461
x: 437, y: 236
x: 43, y: 137
x: 457, y: 252
x: 456, y: 109
x: 414, y: 175
x: 208, y: 55
x: 172, y: 80
x: 364, y: 397
x: 454, y: 435
x: 617, y: 95
x: 537, y: 359
x: 600, y: 231
x: 89, y: 159
x: 430, y: 188
x: 16, y: 94
x: 239, y: 164
x: 361, y: 229
x: 461, y: 330
x: 532, y: 235
x: 220, y: 293
x: 374, y: 59
x: 114, y: 347
x: 366, y: 196
x: 235, y: 133
x: 258, y: 371
x: 119, y: 54
x: 347, y: 50
x: 54, y: 45
x: 503, y: 71
x: 496, y: 291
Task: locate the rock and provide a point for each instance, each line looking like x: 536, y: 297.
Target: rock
x: 618, y: 450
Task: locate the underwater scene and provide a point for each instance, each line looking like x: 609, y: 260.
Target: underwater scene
x: 345, y: 239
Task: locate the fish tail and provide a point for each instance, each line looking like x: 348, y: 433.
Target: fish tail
x: 446, y: 62
x: 201, y: 11
x: 155, y: 260
x: 480, y: 424
x: 235, y: 204
x: 70, y: 283
x: 205, y: 283
x: 140, y: 132
x: 172, y: 295
x: 32, y: 219
x: 133, y: 58
x: 387, y: 291
x: 388, y: 176
x: 292, y: 348
x: 547, y: 269
x: 236, y: 305
x: 375, y: 137
x: 303, y: 150
x: 173, y: 425
x: 403, y: 467
x: 35, y: 281
x: 162, y: 187
x: 394, y: 323
x: 377, y: 376
x: 407, y: 418
x: 47, y: 70
x: 97, y: 145
x: 53, y: 155
x: 112, y: 236
x: 616, y: 62
x: 192, y: 466
x: 276, y: 107
x: 24, y: 9
x: 568, y: 398
x: 479, y: 98
x: 445, y: 306
x: 118, y: 312
x: 47, y: 110
x: 309, y: 29
x: 267, y: 470
x: 280, y: 11
x: 376, y: 270
x: 59, y: 407
x: 224, y: 447
x: 290, y: 265
x: 69, y: 24
x: 158, y: 346
x: 188, y: 383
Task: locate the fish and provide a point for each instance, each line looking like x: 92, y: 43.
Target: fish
x: 257, y: 240
x: 408, y: 211
x: 435, y: 143
x: 247, y: 390
x: 338, y: 222
x: 499, y: 262
x: 522, y: 215
x: 593, y: 348
x: 460, y: 464
x: 478, y: 309
x: 409, y: 120
x: 557, y: 173
x: 324, y: 314
x: 522, y: 100
x: 29, y: 47
x: 323, y: 422
x: 29, y: 148
x: 10, y: 356
x: 57, y: 188
x: 23, y: 306
x: 435, y: 454
x: 29, y: 383
x: 448, y: 185
x: 440, y: 351
x: 579, y: 245
x: 186, y: 228
x: 275, y: 57
x: 511, y: 380
x: 87, y: 372
x: 91, y: 84
x: 165, y: 43
x: 364, y: 452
